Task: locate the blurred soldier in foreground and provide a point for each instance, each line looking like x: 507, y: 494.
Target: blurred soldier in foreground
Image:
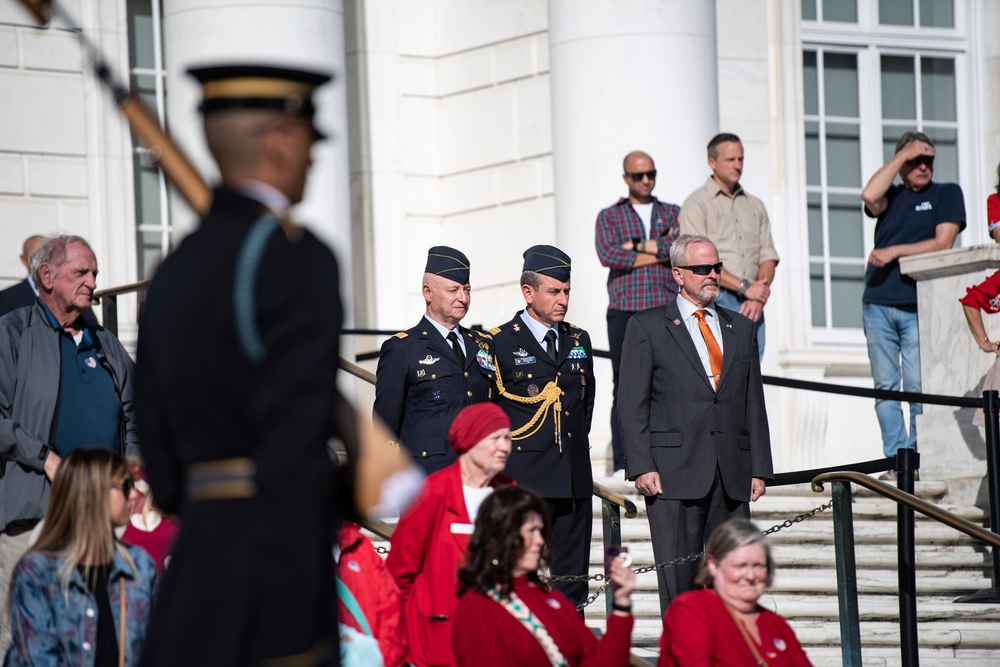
x: 238, y: 351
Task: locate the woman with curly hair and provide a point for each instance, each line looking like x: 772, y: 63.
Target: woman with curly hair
x: 508, y: 616
x: 80, y: 596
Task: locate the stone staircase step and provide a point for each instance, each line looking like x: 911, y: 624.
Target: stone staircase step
x: 877, y: 656
x: 813, y: 608
x: 956, y: 635
x: 812, y: 530
x: 880, y: 556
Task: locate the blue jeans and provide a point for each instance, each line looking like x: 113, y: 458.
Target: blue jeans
x: 730, y: 301
x: 894, y: 350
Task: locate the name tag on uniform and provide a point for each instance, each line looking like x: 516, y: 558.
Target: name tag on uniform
x: 521, y: 361
x: 462, y: 528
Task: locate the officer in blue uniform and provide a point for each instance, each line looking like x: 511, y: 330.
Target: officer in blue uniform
x: 545, y: 383
x: 428, y: 373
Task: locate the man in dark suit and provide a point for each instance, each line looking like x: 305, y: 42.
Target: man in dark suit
x: 23, y: 293
x: 545, y: 383
x: 691, y: 406
x: 238, y: 356
x: 428, y: 373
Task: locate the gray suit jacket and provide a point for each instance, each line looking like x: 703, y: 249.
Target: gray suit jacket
x: 674, y: 423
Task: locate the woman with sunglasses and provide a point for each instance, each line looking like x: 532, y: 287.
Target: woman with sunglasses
x: 80, y: 596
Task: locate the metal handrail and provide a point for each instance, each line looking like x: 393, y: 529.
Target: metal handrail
x: 621, y: 501
x: 357, y: 371
x: 96, y: 297
x: 378, y: 527
x: 928, y: 509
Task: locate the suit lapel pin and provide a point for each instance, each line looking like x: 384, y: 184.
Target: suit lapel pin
x: 729, y: 326
x: 677, y: 322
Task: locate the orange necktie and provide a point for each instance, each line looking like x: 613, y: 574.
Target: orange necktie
x: 714, y: 351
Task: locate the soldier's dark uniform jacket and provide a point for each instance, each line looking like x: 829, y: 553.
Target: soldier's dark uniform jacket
x: 420, y: 388
x: 526, y: 372
x: 236, y: 388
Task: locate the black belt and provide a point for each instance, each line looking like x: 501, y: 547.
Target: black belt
x: 222, y: 479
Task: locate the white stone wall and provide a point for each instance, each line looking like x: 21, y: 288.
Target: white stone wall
x: 65, y: 153
x: 455, y: 106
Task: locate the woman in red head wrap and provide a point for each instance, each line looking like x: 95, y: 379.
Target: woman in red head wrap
x: 430, y: 541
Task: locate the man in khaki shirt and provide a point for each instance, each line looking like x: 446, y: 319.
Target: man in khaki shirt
x: 737, y: 223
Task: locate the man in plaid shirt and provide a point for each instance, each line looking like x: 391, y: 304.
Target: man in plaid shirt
x: 633, y: 240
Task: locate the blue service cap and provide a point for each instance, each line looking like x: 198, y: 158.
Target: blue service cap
x: 448, y: 263
x: 548, y: 261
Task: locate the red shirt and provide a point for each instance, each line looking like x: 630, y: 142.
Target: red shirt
x: 699, y: 632
x: 992, y: 211
x: 985, y: 295
x: 486, y: 635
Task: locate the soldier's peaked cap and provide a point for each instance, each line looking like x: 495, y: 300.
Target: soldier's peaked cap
x: 448, y: 263
x: 249, y: 86
x: 548, y: 261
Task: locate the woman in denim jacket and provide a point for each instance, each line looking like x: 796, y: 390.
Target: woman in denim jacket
x: 80, y: 597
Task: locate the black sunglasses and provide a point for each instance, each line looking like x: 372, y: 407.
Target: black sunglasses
x: 704, y: 269
x: 923, y: 159
x: 126, y: 486
x: 637, y: 176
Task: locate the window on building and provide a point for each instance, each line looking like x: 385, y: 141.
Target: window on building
x: 148, y: 77
x: 864, y: 85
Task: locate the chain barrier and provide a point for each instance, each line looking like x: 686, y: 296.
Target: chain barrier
x: 671, y: 563
x: 678, y: 561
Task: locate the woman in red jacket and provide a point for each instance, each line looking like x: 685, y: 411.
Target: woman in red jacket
x: 430, y: 541
x: 508, y: 616
x: 363, y: 572
x: 723, y: 624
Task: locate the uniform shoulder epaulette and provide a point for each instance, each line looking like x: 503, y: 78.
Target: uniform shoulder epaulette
x: 401, y: 335
x: 483, y: 334
x: 571, y: 325
x: 494, y: 331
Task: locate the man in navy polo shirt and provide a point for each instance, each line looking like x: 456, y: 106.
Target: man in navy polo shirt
x: 915, y: 217
x: 64, y: 384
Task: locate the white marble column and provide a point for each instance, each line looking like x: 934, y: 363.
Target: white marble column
x: 307, y: 34
x: 626, y: 75
x: 951, y: 364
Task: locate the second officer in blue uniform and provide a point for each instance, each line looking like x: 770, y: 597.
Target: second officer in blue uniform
x: 545, y: 383
x: 428, y: 373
